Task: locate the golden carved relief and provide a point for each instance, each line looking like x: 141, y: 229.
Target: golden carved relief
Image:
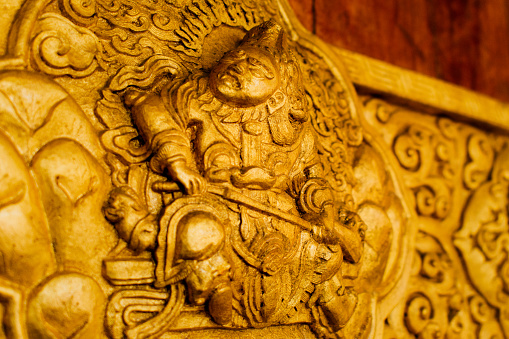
x: 203, y: 169
x: 454, y: 176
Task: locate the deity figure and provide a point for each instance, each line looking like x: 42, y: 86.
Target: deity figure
x: 264, y: 238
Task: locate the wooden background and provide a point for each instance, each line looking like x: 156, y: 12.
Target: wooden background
x: 465, y: 42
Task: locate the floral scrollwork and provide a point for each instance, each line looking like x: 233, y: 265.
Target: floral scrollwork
x: 481, y: 155
x: 427, y: 156
x: 81, y: 11
x: 483, y: 315
x: 483, y: 237
x: 436, y: 306
x: 448, y: 128
x: 410, y: 146
x: 384, y: 112
x: 419, y: 312
x: 433, y: 199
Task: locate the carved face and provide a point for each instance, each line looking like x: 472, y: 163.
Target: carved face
x: 245, y: 77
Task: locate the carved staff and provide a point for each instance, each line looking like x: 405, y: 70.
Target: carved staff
x: 339, y: 235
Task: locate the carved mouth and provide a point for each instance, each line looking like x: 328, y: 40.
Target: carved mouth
x: 231, y: 79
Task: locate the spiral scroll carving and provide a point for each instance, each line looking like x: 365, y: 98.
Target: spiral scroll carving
x: 62, y: 48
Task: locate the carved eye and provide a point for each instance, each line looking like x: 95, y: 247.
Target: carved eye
x: 258, y: 69
x: 254, y: 62
x: 236, y: 55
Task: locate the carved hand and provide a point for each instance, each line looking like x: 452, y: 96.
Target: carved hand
x: 193, y: 182
x: 328, y: 216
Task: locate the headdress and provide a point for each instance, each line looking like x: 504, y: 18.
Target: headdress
x: 269, y: 36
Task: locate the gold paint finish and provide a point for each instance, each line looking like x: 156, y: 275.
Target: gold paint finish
x: 206, y: 169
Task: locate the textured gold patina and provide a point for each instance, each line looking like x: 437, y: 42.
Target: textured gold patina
x: 206, y: 169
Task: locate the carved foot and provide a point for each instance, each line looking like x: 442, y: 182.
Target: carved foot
x: 220, y: 304
x: 210, y: 280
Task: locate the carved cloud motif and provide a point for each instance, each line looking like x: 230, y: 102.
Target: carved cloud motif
x: 483, y: 237
x: 62, y: 48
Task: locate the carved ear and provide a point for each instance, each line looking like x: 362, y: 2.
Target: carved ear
x: 276, y: 101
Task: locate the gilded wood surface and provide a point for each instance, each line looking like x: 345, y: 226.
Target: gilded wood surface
x: 439, y: 96
x: 206, y: 169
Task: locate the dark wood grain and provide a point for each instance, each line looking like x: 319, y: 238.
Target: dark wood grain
x: 465, y: 42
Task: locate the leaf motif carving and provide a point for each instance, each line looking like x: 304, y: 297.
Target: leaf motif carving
x: 76, y: 193
x: 11, y: 192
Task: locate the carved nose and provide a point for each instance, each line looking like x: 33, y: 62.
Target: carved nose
x: 238, y: 69
x: 239, y: 54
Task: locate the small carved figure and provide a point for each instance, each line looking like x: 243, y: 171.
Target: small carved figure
x: 258, y: 233
x: 133, y: 221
